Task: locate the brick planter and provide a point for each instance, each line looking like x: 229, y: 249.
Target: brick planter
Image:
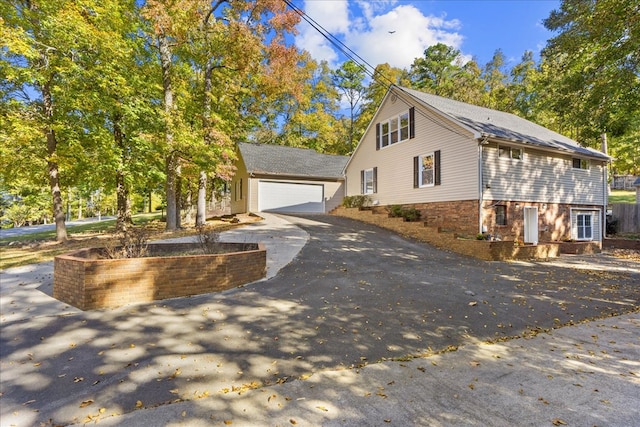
x: 87, y: 281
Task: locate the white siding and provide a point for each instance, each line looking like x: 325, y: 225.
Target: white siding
x: 541, y: 177
x: 459, y: 160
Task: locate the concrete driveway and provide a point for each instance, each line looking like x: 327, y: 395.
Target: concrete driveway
x: 354, y: 295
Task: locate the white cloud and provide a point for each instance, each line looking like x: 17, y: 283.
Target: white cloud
x: 395, y: 35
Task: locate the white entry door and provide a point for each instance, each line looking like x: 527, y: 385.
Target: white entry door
x: 531, y: 225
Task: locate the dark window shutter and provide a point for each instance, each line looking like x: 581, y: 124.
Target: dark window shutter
x: 377, y: 136
x: 436, y: 167
x: 375, y: 180
x: 416, y: 172
x: 362, y: 182
x: 412, y: 122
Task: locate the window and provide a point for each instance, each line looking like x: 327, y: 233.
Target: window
x: 369, y: 178
x: 510, y: 153
x: 396, y: 129
x: 426, y: 170
x: 585, y: 227
x: 501, y: 214
x: 580, y: 163
x: 384, y: 138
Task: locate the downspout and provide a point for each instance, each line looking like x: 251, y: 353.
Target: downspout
x: 605, y: 193
x: 483, y: 141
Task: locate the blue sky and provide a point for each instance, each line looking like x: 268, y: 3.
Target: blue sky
x: 397, y: 31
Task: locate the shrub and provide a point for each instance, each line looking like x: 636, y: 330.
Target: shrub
x: 133, y: 244
x: 357, y: 201
x: 395, y: 211
x: 411, y: 214
x: 208, y: 239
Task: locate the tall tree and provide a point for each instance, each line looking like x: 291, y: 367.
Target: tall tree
x: 436, y: 71
x: 47, y: 45
x: 349, y: 80
x: 384, y: 76
x: 495, y: 81
x: 597, y: 54
x: 243, y: 43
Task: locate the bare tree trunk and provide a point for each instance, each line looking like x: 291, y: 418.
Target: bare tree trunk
x: 52, y: 167
x: 201, y: 215
x: 178, y: 219
x: 172, y: 160
x: 122, y: 189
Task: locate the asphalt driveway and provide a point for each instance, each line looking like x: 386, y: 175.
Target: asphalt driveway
x: 354, y: 295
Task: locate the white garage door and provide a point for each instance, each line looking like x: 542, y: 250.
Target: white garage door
x: 290, y: 197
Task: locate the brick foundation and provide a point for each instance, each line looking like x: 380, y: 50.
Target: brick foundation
x: 554, y: 220
x: 460, y: 216
x: 86, y: 281
x: 455, y: 242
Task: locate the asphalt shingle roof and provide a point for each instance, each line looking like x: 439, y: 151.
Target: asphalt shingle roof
x: 271, y: 159
x: 498, y: 124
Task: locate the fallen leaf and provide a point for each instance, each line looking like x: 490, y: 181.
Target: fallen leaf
x: 473, y: 303
x: 292, y: 421
x: 227, y: 422
x: 86, y: 403
x: 322, y: 408
x: 474, y: 363
x: 558, y: 422
x: 139, y: 404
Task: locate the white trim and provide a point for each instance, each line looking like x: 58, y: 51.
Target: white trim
x: 530, y: 228
x: 596, y: 227
x: 433, y: 170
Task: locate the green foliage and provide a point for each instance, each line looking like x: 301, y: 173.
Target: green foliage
x: 411, y: 214
x: 595, y: 86
x: 358, y: 201
x: 395, y: 211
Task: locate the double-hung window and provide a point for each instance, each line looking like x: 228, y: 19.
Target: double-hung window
x: 396, y: 129
x: 369, y: 178
x: 426, y: 170
x: 585, y: 226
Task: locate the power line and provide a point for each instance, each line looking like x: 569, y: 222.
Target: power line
x: 364, y: 65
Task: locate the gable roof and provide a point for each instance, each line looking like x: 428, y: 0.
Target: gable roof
x: 497, y: 124
x: 269, y: 159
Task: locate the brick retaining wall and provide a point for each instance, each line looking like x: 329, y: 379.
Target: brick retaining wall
x: 83, y: 280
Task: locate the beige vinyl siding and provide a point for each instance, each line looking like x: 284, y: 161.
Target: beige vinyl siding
x: 239, y: 205
x: 459, y: 164
x: 540, y: 177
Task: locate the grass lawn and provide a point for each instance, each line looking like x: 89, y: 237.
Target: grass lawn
x: 41, y: 247
x: 622, y: 196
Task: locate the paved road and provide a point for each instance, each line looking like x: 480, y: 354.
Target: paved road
x: 23, y: 231
x: 354, y: 295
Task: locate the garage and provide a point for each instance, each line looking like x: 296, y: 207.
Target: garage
x: 290, y: 197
